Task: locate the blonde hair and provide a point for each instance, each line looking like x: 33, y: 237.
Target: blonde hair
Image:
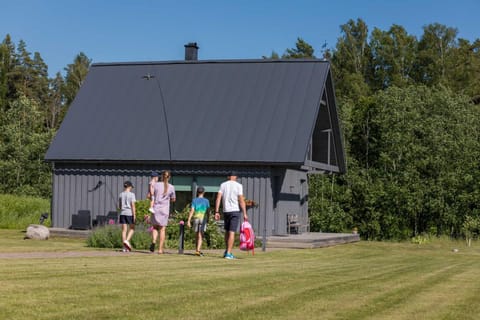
x: 165, y: 176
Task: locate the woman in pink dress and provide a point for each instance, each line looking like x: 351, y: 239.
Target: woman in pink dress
x: 164, y: 193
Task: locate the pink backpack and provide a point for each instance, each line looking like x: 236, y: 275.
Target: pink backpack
x: 247, y: 237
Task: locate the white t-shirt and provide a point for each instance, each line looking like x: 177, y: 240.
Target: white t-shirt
x: 230, y: 191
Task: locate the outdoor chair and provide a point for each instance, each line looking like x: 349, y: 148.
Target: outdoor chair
x: 297, y: 224
x: 101, y: 220
x: 82, y: 220
x: 292, y: 224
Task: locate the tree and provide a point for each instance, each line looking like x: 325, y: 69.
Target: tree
x: 24, y: 143
x: 412, y: 158
x: 273, y: 56
x: 55, y: 107
x: 76, y: 73
x: 351, y: 60
x: 7, y: 65
x: 434, y: 49
x: 302, y: 50
x: 393, y: 57
x: 464, y: 68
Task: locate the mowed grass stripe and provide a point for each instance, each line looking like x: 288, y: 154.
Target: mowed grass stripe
x: 366, y: 280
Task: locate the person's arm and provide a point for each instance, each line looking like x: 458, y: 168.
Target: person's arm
x: 190, y: 214
x: 150, y: 192
x: 241, y: 202
x: 217, y: 205
x: 134, y: 212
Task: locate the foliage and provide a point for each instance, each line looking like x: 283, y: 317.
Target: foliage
x: 32, y: 107
x: 413, y: 157
x: 411, y: 129
x: 110, y: 236
x: 471, y: 228
x: 302, y: 50
x: 76, y: 73
x: 25, y: 141
x: 17, y: 212
x: 420, y: 239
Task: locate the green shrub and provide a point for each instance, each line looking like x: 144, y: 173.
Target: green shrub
x: 471, y: 228
x: 110, y: 236
x: 420, y: 239
x: 17, y: 212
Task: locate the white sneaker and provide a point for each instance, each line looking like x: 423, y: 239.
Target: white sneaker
x: 127, y: 245
x: 151, y: 210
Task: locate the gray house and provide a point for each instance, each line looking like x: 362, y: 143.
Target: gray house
x: 273, y: 121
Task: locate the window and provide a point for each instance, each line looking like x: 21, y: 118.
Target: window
x: 185, y: 189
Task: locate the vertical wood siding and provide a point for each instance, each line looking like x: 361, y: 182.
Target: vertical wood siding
x: 73, y: 184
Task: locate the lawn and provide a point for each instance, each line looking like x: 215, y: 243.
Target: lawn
x: 366, y: 280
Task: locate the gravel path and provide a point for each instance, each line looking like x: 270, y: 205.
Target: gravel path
x: 77, y: 254
x: 49, y: 255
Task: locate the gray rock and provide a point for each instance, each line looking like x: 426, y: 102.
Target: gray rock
x: 37, y: 232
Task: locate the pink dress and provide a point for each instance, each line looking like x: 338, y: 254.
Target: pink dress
x: 161, y: 206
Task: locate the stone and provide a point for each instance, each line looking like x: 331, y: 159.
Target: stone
x: 37, y: 232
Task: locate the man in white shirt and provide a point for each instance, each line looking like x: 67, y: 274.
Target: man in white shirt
x: 231, y: 192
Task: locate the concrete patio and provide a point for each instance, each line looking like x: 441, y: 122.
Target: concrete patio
x: 310, y: 240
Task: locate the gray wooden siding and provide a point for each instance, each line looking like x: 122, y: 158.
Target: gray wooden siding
x: 290, y: 197
x: 74, y: 183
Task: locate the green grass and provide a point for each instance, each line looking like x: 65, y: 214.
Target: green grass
x: 18, y: 212
x: 366, y: 280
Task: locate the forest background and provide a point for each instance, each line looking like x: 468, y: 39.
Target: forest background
x: 410, y: 113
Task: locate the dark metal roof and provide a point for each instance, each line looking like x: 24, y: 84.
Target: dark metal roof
x: 248, y: 111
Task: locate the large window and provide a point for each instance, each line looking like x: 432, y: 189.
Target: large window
x: 186, y: 187
x: 183, y: 191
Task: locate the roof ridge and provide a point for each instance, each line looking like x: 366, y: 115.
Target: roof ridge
x: 226, y: 61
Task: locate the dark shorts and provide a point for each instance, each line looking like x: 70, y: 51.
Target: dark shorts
x: 126, y: 219
x: 231, y: 220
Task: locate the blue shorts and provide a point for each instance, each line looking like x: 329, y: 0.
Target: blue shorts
x: 231, y: 220
x: 126, y: 219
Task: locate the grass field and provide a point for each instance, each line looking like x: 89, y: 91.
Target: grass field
x: 366, y: 280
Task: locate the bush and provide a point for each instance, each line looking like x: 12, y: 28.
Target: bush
x: 17, y: 212
x: 110, y: 236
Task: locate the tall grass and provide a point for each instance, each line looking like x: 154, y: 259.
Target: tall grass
x: 366, y: 280
x: 17, y: 212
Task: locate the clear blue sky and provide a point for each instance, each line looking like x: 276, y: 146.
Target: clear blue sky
x: 148, y: 30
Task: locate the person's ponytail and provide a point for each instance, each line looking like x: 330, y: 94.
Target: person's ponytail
x: 165, y: 177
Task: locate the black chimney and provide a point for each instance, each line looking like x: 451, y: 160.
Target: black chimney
x: 191, y: 51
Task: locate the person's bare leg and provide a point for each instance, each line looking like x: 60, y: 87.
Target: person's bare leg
x: 162, y: 239
x: 231, y: 238
x: 130, y: 232
x: 154, y: 235
x: 124, y: 232
x: 199, y: 241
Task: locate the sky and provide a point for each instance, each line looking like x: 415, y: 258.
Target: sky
x: 148, y: 30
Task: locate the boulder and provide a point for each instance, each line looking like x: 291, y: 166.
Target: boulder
x: 38, y: 232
